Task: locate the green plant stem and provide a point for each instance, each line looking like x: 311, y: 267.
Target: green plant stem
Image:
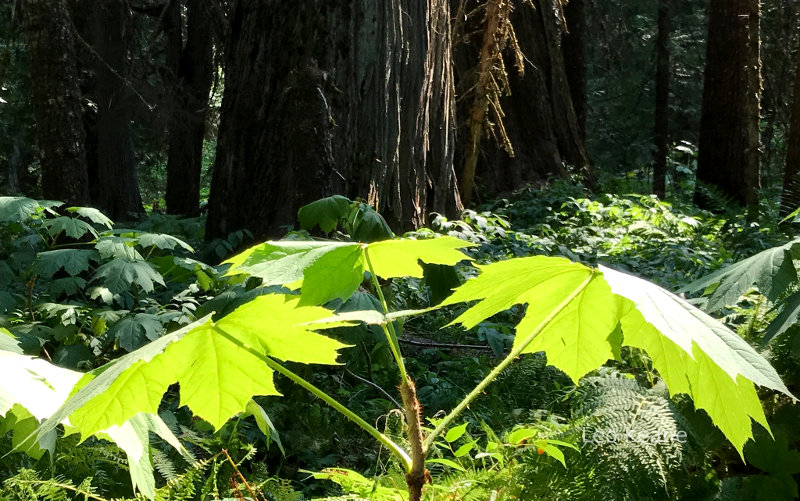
x: 388, y: 327
x: 505, y: 363
x: 383, y: 439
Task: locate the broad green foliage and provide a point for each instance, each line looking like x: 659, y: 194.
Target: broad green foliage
x: 771, y: 272
x: 357, y: 219
x: 579, y: 339
x: 330, y: 270
x: 219, y: 366
x: 579, y: 316
x: 40, y: 388
x: 678, y: 338
x: 694, y: 353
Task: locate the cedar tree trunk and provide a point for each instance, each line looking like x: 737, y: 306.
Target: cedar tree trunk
x: 117, y: 182
x: 573, y: 45
x: 790, y: 196
x: 56, y: 100
x: 539, y: 116
x: 192, y: 66
x: 348, y: 96
x: 661, y: 132
x: 728, y: 159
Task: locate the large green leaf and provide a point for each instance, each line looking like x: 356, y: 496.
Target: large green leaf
x: 577, y: 340
x: 133, y: 437
x: 70, y: 226
x: 326, y: 213
x: 336, y: 274
x: 40, y: 387
x: 118, y: 275
x: 17, y: 208
x: 118, y: 247
x: 219, y: 366
x: 280, y: 262
x: 92, y: 215
x: 401, y: 257
x: 770, y: 271
x: 329, y: 270
x: 696, y: 355
x: 163, y: 241
x: 135, y: 331
x: 787, y: 318
x: 74, y: 261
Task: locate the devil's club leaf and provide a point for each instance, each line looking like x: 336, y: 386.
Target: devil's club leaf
x: 119, y: 274
x: 72, y: 227
x: 73, y: 261
x: 163, y: 241
x: 336, y: 274
x: 328, y: 270
x: 401, y: 257
x: 325, y: 212
x: 696, y: 355
x: 17, y: 208
x: 219, y: 366
x: 770, y: 271
x: 785, y: 319
x: 685, y: 326
x: 280, y: 263
x: 134, y: 332
x: 92, y: 215
x: 577, y: 340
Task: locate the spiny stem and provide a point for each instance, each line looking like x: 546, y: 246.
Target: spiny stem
x: 388, y: 327
x: 504, y: 363
x: 239, y: 474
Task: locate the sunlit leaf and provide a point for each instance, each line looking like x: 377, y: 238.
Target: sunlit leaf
x: 770, y: 271
x: 577, y: 340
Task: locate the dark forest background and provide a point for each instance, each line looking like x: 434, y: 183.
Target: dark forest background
x: 247, y: 110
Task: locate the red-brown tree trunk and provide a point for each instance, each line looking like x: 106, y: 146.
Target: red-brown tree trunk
x: 539, y: 117
x: 321, y: 97
x: 117, y: 181
x: 573, y: 45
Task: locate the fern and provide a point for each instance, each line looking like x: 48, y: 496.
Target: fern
x: 630, y: 468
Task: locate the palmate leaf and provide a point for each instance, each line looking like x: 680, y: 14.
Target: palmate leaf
x: 136, y: 331
x: 770, y: 271
x: 578, y: 340
x: 326, y: 213
x: 694, y: 353
x: 219, y: 366
x: 70, y: 226
x: 785, y: 319
x: 40, y: 388
x: 329, y: 270
x: 118, y: 247
x: 92, y: 215
x: 74, y: 261
x: 133, y: 436
x: 118, y: 274
x: 17, y: 208
x: 163, y: 241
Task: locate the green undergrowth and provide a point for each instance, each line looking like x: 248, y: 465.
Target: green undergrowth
x: 80, y: 291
